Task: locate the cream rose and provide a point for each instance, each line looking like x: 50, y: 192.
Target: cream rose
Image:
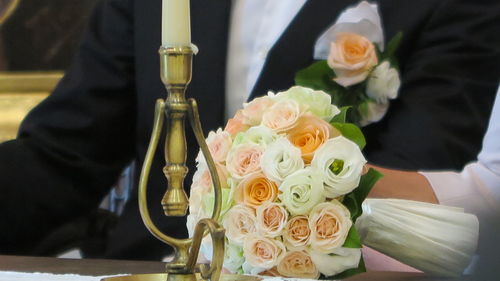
x: 341, y: 163
x: 282, y: 116
x: 297, y: 232
x: 281, y: 159
x: 196, y: 200
x: 244, y: 159
x: 203, y: 178
x: 298, y: 264
x: 302, y: 190
x: 338, y: 261
x: 309, y: 134
x: 239, y: 221
x: 219, y: 143
x: 261, y: 252
x: 318, y: 103
x: 330, y: 223
x: 236, y: 124
x: 271, y: 219
x: 254, y: 110
x: 352, y: 56
x: 255, y: 189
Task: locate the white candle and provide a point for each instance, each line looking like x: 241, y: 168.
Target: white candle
x: 176, y: 28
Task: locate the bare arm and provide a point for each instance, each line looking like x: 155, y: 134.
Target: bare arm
x: 403, y: 185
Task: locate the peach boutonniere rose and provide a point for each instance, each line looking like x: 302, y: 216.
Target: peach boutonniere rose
x: 355, y: 66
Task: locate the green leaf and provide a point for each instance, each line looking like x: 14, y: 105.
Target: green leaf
x: 353, y: 206
x: 350, y: 272
x: 366, y: 184
x: 354, y: 199
x: 393, y: 45
x: 351, y: 132
x: 353, y: 240
x: 317, y: 76
x: 341, y: 117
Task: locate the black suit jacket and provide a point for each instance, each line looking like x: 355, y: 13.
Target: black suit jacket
x: 71, y: 148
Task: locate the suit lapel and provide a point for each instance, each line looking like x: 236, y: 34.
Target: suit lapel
x: 288, y: 56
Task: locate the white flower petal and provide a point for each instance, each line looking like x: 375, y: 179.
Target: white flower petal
x: 343, y: 259
x: 363, y: 19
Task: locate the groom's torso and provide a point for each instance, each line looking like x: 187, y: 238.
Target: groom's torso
x: 210, y: 20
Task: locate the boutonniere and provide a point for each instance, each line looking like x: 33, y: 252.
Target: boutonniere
x: 354, y: 66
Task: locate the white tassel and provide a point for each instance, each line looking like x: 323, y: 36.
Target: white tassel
x: 436, y: 239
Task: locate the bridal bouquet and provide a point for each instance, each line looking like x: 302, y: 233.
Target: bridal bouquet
x: 293, y: 181
x: 354, y: 66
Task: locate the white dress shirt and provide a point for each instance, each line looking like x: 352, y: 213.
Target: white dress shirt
x: 256, y: 25
x: 477, y: 187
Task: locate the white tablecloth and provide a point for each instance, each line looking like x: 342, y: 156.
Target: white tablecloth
x: 22, y: 276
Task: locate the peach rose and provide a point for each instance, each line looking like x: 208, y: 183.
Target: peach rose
x: 330, y: 223
x: 236, y: 124
x: 352, y: 56
x: 273, y: 272
x: 203, y: 178
x: 219, y: 143
x: 298, y: 264
x: 309, y: 134
x: 261, y: 252
x: 244, y: 159
x: 297, y: 232
x: 282, y: 116
x: 239, y: 221
x: 253, y: 111
x: 256, y: 189
x: 271, y: 219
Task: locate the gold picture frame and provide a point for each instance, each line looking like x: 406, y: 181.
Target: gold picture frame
x: 8, y: 10
x: 19, y: 93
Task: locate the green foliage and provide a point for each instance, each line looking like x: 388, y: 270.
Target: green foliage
x: 317, y: 76
x: 354, y: 199
x: 341, y: 117
x: 390, y: 52
x: 353, y: 240
x: 351, y: 132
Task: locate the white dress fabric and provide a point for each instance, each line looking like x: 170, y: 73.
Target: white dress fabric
x: 439, y: 240
x: 477, y: 187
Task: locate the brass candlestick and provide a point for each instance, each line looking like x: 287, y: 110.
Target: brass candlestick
x: 175, y: 72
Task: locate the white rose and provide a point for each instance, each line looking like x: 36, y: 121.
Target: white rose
x: 239, y: 221
x: 363, y: 19
x: 341, y: 164
x: 330, y: 223
x: 372, y: 112
x: 260, y: 135
x: 302, y: 190
x: 343, y: 259
x: 281, y: 159
x: 318, y: 103
x: 383, y: 83
x: 234, y: 258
